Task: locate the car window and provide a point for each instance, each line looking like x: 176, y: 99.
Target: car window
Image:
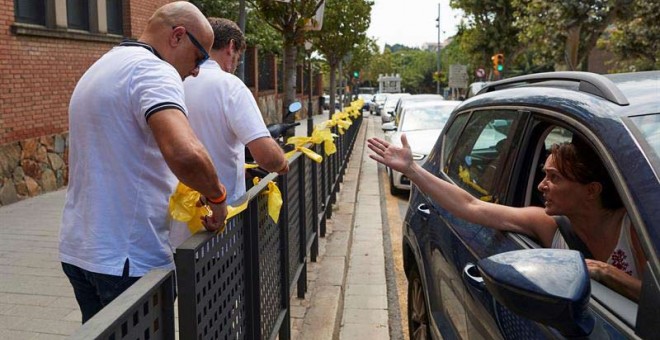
x: 480, y: 151
x: 452, y: 135
x: 649, y: 127
x: 553, y: 135
x: 425, y: 118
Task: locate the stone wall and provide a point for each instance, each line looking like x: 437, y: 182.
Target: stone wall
x: 32, y: 167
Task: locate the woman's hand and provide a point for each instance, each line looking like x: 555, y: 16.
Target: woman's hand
x: 615, y: 279
x: 397, y: 158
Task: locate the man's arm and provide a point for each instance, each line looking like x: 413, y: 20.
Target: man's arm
x: 268, y: 155
x: 187, y: 158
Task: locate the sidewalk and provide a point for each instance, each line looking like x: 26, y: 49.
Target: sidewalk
x: 347, y: 294
x: 346, y: 298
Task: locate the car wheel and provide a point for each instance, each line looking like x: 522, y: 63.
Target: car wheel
x: 418, y: 317
x: 394, y: 190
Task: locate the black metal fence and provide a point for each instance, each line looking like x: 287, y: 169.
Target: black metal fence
x: 237, y: 284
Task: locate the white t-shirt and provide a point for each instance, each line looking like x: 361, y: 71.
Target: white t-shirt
x: 225, y: 117
x: 119, y: 184
x: 623, y: 256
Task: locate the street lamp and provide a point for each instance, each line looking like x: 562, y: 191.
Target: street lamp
x: 310, y: 121
x: 437, y: 84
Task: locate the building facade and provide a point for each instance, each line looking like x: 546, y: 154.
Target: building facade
x: 45, y: 47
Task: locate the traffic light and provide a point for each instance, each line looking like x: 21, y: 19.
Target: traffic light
x: 498, y: 62
x: 356, y: 74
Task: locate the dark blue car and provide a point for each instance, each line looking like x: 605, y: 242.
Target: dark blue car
x: 471, y: 282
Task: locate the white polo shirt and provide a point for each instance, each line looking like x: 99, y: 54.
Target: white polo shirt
x: 225, y: 117
x: 119, y: 184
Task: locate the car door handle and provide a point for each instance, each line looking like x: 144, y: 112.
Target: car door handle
x: 473, y: 276
x: 424, y: 209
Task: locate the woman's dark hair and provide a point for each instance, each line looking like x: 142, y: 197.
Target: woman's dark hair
x: 578, y: 162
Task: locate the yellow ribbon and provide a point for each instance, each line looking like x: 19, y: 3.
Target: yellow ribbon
x: 274, y: 199
x: 307, y: 152
x: 183, y: 207
x: 464, y: 175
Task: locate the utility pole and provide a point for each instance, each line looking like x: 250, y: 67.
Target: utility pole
x: 241, y: 24
x: 437, y: 84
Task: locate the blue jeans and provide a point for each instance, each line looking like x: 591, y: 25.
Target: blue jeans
x: 93, y: 290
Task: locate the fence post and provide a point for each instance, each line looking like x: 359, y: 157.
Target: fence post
x: 315, y: 209
x: 283, y: 226
x: 252, y: 291
x: 302, y: 227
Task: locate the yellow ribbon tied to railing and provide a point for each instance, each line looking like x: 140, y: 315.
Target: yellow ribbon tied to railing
x: 341, y: 120
x: 183, y: 207
x: 318, y: 136
x: 274, y: 199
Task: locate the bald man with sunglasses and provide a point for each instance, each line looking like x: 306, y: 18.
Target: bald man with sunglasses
x: 129, y: 144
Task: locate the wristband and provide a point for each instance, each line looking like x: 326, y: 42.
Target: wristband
x: 220, y: 199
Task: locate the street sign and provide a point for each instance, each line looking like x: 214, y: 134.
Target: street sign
x: 458, y: 77
x: 480, y: 73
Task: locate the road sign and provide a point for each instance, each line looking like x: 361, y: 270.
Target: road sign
x: 458, y: 77
x: 480, y: 73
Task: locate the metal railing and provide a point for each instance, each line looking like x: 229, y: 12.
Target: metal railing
x: 237, y: 284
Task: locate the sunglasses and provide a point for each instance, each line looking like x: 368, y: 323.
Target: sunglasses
x: 205, y: 55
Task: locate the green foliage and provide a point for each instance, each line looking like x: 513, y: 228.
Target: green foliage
x: 489, y: 25
x: 344, y: 29
x: 565, y: 32
x: 635, y: 42
x: 257, y: 32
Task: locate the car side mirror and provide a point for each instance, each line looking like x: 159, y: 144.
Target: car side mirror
x: 388, y: 126
x: 549, y: 286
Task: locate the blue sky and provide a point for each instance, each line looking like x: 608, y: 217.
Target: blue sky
x: 411, y: 22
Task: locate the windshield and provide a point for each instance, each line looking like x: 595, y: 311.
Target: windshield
x: 649, y: 127
x: 425, y: 118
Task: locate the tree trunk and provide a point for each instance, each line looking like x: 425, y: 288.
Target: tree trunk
x: 289, y: 85
x: 572, y: 46
x: 333, y: 86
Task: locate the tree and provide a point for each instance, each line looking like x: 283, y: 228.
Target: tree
x: 635, y: 42
x: 291, y: 19
x: 257, y: 32
x: 361, y: 56
x: 344, y: 25
x: 488, y: 30
x: 565, y: 32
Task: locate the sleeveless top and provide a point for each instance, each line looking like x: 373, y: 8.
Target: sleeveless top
x: 622, y: 257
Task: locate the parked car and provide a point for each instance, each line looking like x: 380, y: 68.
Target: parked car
x: 387, y: 112
x: 475, y: 87
x: 470, y: 281
x: 422, y: 123
x: 412, y: 99
x: 366, y: 98
x: 326, y: 102
x: 377, y: 103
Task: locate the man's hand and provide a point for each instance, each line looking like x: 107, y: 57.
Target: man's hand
x: 397, y: 158
x: 216, y: 221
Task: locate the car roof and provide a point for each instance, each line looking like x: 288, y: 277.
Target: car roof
x: 625, y: 94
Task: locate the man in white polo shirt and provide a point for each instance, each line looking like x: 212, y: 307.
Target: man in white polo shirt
x: 225, y: 116
x: 130, y: 142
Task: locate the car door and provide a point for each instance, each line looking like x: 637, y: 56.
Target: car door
x: 477, y: 157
